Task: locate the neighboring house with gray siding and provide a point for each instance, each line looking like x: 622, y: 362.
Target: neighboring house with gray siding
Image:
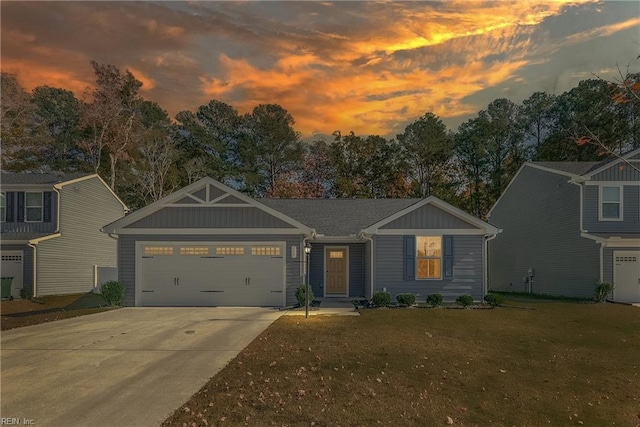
x: 51, y: 241
x: 208, y: 244
x: 571, y: 223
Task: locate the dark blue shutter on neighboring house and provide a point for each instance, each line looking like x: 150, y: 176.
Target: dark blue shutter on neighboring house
x: 47, y: 205
x: 409, y: 258
x: 9, y: 206
x: 448, y: 256
x: 20, y: 203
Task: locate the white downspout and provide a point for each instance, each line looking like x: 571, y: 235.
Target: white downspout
x: 486, y: 261
x: 35, y: 269
x: 57, y: 209
x: 370, y: 239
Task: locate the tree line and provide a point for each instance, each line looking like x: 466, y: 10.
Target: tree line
x: 144, y: 155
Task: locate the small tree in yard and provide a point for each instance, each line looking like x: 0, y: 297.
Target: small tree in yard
x: 603, y: 291
x: 300, y: 294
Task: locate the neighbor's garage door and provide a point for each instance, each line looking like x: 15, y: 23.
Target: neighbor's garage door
x: 210, y: 274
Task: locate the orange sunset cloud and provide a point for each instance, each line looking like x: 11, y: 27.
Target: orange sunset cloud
x: 369, y: 67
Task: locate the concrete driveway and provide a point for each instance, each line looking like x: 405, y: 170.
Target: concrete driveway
x: 127, y: 367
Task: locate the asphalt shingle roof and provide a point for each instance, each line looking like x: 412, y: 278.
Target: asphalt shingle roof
x: 39, y: 178
x: 338, y: 217
x: 20, y: 236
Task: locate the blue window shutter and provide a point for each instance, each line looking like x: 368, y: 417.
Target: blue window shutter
x: 47, y: 205
x: 409, y: 258
x: 9, y: 206
x: 448, y: 256
x: 20, y: 213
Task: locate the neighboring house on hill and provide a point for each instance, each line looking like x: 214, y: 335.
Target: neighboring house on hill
x: 50, y: 230
x: 573, y: 223
x: 208, y: 244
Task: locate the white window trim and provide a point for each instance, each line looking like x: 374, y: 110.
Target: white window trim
x: 33, y: 207
x: 441, y: 258
x: 620, y: 188
x: 3, y: 216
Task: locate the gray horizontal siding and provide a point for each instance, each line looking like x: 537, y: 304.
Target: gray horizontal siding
x: 425, y: 217
x: 27, y: 263
x: 356, y: 268
x: 127, y: 257
x: 205, y: 217
x: 630, y: 214
x: 618, y: 172
x: 539, y: 216
x: 467, y: 270
x: 65, y: 264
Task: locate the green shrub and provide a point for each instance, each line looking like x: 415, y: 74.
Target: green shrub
x: 112, y: 292
x: 381, y: 299
x: 464, y: 300
x: 300, y: 293
x: 494, y: 300
x: 603, y: 291
x: 406, y: 299
x: 25, y: 293
x: 434, y: 299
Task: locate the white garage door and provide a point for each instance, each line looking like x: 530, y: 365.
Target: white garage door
x: 626, y: 276
x: 210, y: 274
x: 12, y: 266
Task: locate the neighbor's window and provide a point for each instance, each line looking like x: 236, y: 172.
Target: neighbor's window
x: 33, y: 207
x: 428, y: 257
x: 3, y: 207
x: 610, y: 199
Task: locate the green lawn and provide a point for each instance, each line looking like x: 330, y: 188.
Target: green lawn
x: 556, y: 364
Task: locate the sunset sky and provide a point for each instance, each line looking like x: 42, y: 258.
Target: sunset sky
x: 370, y: 67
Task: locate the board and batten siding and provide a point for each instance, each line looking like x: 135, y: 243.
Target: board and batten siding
x: 630, y: 211
x: 540, y: 220
x: 427, y: 217
x: 65, y: 264
x: 467, y: 270
x: 619, y: 172
x: 368, y: 280
x: 356, y: 268
x: 210, y: 217
x: 127, y: 259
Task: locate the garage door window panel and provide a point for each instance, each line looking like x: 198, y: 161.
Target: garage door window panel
x: 229, y: 250
x: 158, y: 250
x: 194, y: 250
x: 265, y: 251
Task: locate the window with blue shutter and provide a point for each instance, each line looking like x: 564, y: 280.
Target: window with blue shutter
x: 10, y: 206
x: 448, y: 256
x: 47, y: 206
x: 20, y: 203
x: 409, y: 258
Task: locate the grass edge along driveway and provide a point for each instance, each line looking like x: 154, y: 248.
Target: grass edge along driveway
x: 556, y: 364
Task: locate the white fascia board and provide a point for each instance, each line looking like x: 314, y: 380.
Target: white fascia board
x: 434, y: 232
x: 209, y: 231
x: 14, y: 242
x: 44, y: 238
x: 614, y: 161
x: 26, y: 187
x: 459, y: 213
x: 336, y: 239
x: 60, y: 185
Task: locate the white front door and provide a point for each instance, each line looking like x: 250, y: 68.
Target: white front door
x: 626, y: 276
x: 13, y: 266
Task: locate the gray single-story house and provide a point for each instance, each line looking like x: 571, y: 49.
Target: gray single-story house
x: 210, y: 245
